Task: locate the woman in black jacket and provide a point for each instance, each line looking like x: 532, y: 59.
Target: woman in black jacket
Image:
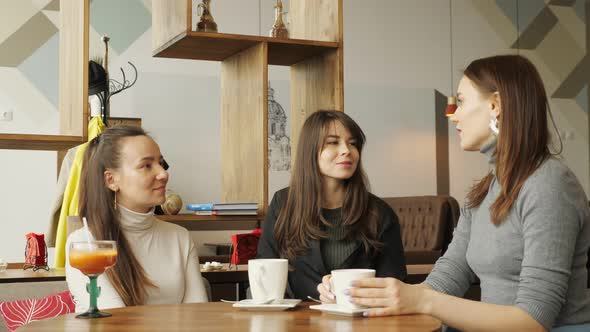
x: 326, y: 219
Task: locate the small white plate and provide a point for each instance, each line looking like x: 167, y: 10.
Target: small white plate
x: 337, y: 310
x: 250, y: 305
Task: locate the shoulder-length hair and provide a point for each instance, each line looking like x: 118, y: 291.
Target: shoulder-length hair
x: 523, y: 140
x: 300, y: 219
x: 96, y: 203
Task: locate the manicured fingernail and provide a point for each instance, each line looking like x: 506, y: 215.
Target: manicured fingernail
x: 351, y: 299
x: 326, y: 287
x: 331, y: 296
x: 353, y: 283
x: 346, y: 292
x: 365, y: 314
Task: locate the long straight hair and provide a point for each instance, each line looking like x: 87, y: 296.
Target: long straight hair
x: 97, y: 204
x: 300, y: 219
x: 523, y: 141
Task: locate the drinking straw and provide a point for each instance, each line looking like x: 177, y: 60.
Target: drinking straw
x: 87, y: 230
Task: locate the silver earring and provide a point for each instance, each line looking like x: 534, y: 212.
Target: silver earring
x: 494, y: 125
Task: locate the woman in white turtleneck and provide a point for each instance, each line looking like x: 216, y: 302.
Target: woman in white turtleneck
x: 122, y: 181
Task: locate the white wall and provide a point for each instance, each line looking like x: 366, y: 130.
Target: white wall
x: 26, y: 196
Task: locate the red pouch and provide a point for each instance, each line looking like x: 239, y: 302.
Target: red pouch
x: 36, y: 252
x: 244, y: 246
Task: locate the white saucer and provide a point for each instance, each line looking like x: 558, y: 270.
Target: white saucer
x: 337, y: 310
x: 249, y: 305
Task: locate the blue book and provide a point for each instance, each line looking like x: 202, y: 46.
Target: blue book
x: 199, y: 207
x: 222, y: 206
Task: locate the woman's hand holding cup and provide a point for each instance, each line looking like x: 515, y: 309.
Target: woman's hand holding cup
x: 326, y: 295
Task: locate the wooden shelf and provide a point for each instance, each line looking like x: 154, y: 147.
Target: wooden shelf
x: 220, y: 46
x: 39, y: 142
x: 213, y: 223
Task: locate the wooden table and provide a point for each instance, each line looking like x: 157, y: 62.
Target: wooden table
x: 222, y: 317
x: 59, y: 274
x: 20, y: 275
x: 225, y: 284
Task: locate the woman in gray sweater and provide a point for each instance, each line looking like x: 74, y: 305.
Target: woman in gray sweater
x: 524, y: 230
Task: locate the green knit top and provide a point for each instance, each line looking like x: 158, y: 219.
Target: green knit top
x: 335, y: 249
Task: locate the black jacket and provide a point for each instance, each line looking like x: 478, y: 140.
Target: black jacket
x: 309, y: 269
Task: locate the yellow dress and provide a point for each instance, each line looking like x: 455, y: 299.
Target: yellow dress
x: 69, y: 206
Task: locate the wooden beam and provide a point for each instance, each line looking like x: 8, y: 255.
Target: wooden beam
x: 244, y: 122
x: 73, y: 68
x: 170, y: 21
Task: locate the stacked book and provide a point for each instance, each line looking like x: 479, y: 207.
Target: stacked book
x: 224, y: 209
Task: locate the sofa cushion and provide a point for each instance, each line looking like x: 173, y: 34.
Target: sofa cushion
x: 427, y: 224
x: 20, y: 312
x: 422, y: 220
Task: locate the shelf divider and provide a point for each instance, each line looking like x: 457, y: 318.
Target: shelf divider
x: 244, y: 121
x: 39, y: 142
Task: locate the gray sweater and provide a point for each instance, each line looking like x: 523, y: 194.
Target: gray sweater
x: 535, y: 259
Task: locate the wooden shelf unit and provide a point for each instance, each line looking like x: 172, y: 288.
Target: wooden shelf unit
x: 315, y: 57
x: 194, y: 222
x: 220, y: 46
x: 39, y: 142
x: 73, y: 85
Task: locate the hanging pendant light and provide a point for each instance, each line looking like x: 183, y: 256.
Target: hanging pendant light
x: 451, y: 100
x: 451, y: 106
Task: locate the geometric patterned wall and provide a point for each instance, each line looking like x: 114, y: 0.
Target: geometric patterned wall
x: 561, y: 22
x: 553, y: 33
x: 29, y: 38
x: 123, y: 21
x: 29, y: 43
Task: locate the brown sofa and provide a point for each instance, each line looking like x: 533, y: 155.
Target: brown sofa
x: 427, y: 224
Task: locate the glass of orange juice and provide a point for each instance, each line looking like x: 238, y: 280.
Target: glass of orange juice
x: 93, y: 258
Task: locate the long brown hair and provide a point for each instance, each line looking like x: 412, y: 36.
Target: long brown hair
x: 523, y: 141
x: 300, y: 219
x: 96, y: 204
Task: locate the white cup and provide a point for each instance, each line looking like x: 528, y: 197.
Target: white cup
x: 268, y: 279
x: 341, y: 280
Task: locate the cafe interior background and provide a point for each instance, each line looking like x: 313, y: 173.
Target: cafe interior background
x: 402, y: 58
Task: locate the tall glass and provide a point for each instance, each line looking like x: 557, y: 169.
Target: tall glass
x: 93, y: 258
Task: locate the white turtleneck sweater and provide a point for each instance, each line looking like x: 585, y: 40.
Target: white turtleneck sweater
x: 167, y: 254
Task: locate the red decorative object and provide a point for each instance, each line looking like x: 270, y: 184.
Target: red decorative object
x: 36, y: 252
x: 21, y: 312
x: 244, y: 247
x: 451, y: 106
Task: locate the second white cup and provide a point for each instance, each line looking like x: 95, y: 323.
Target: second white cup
x: 341, y: 280
x: 268, y: 279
